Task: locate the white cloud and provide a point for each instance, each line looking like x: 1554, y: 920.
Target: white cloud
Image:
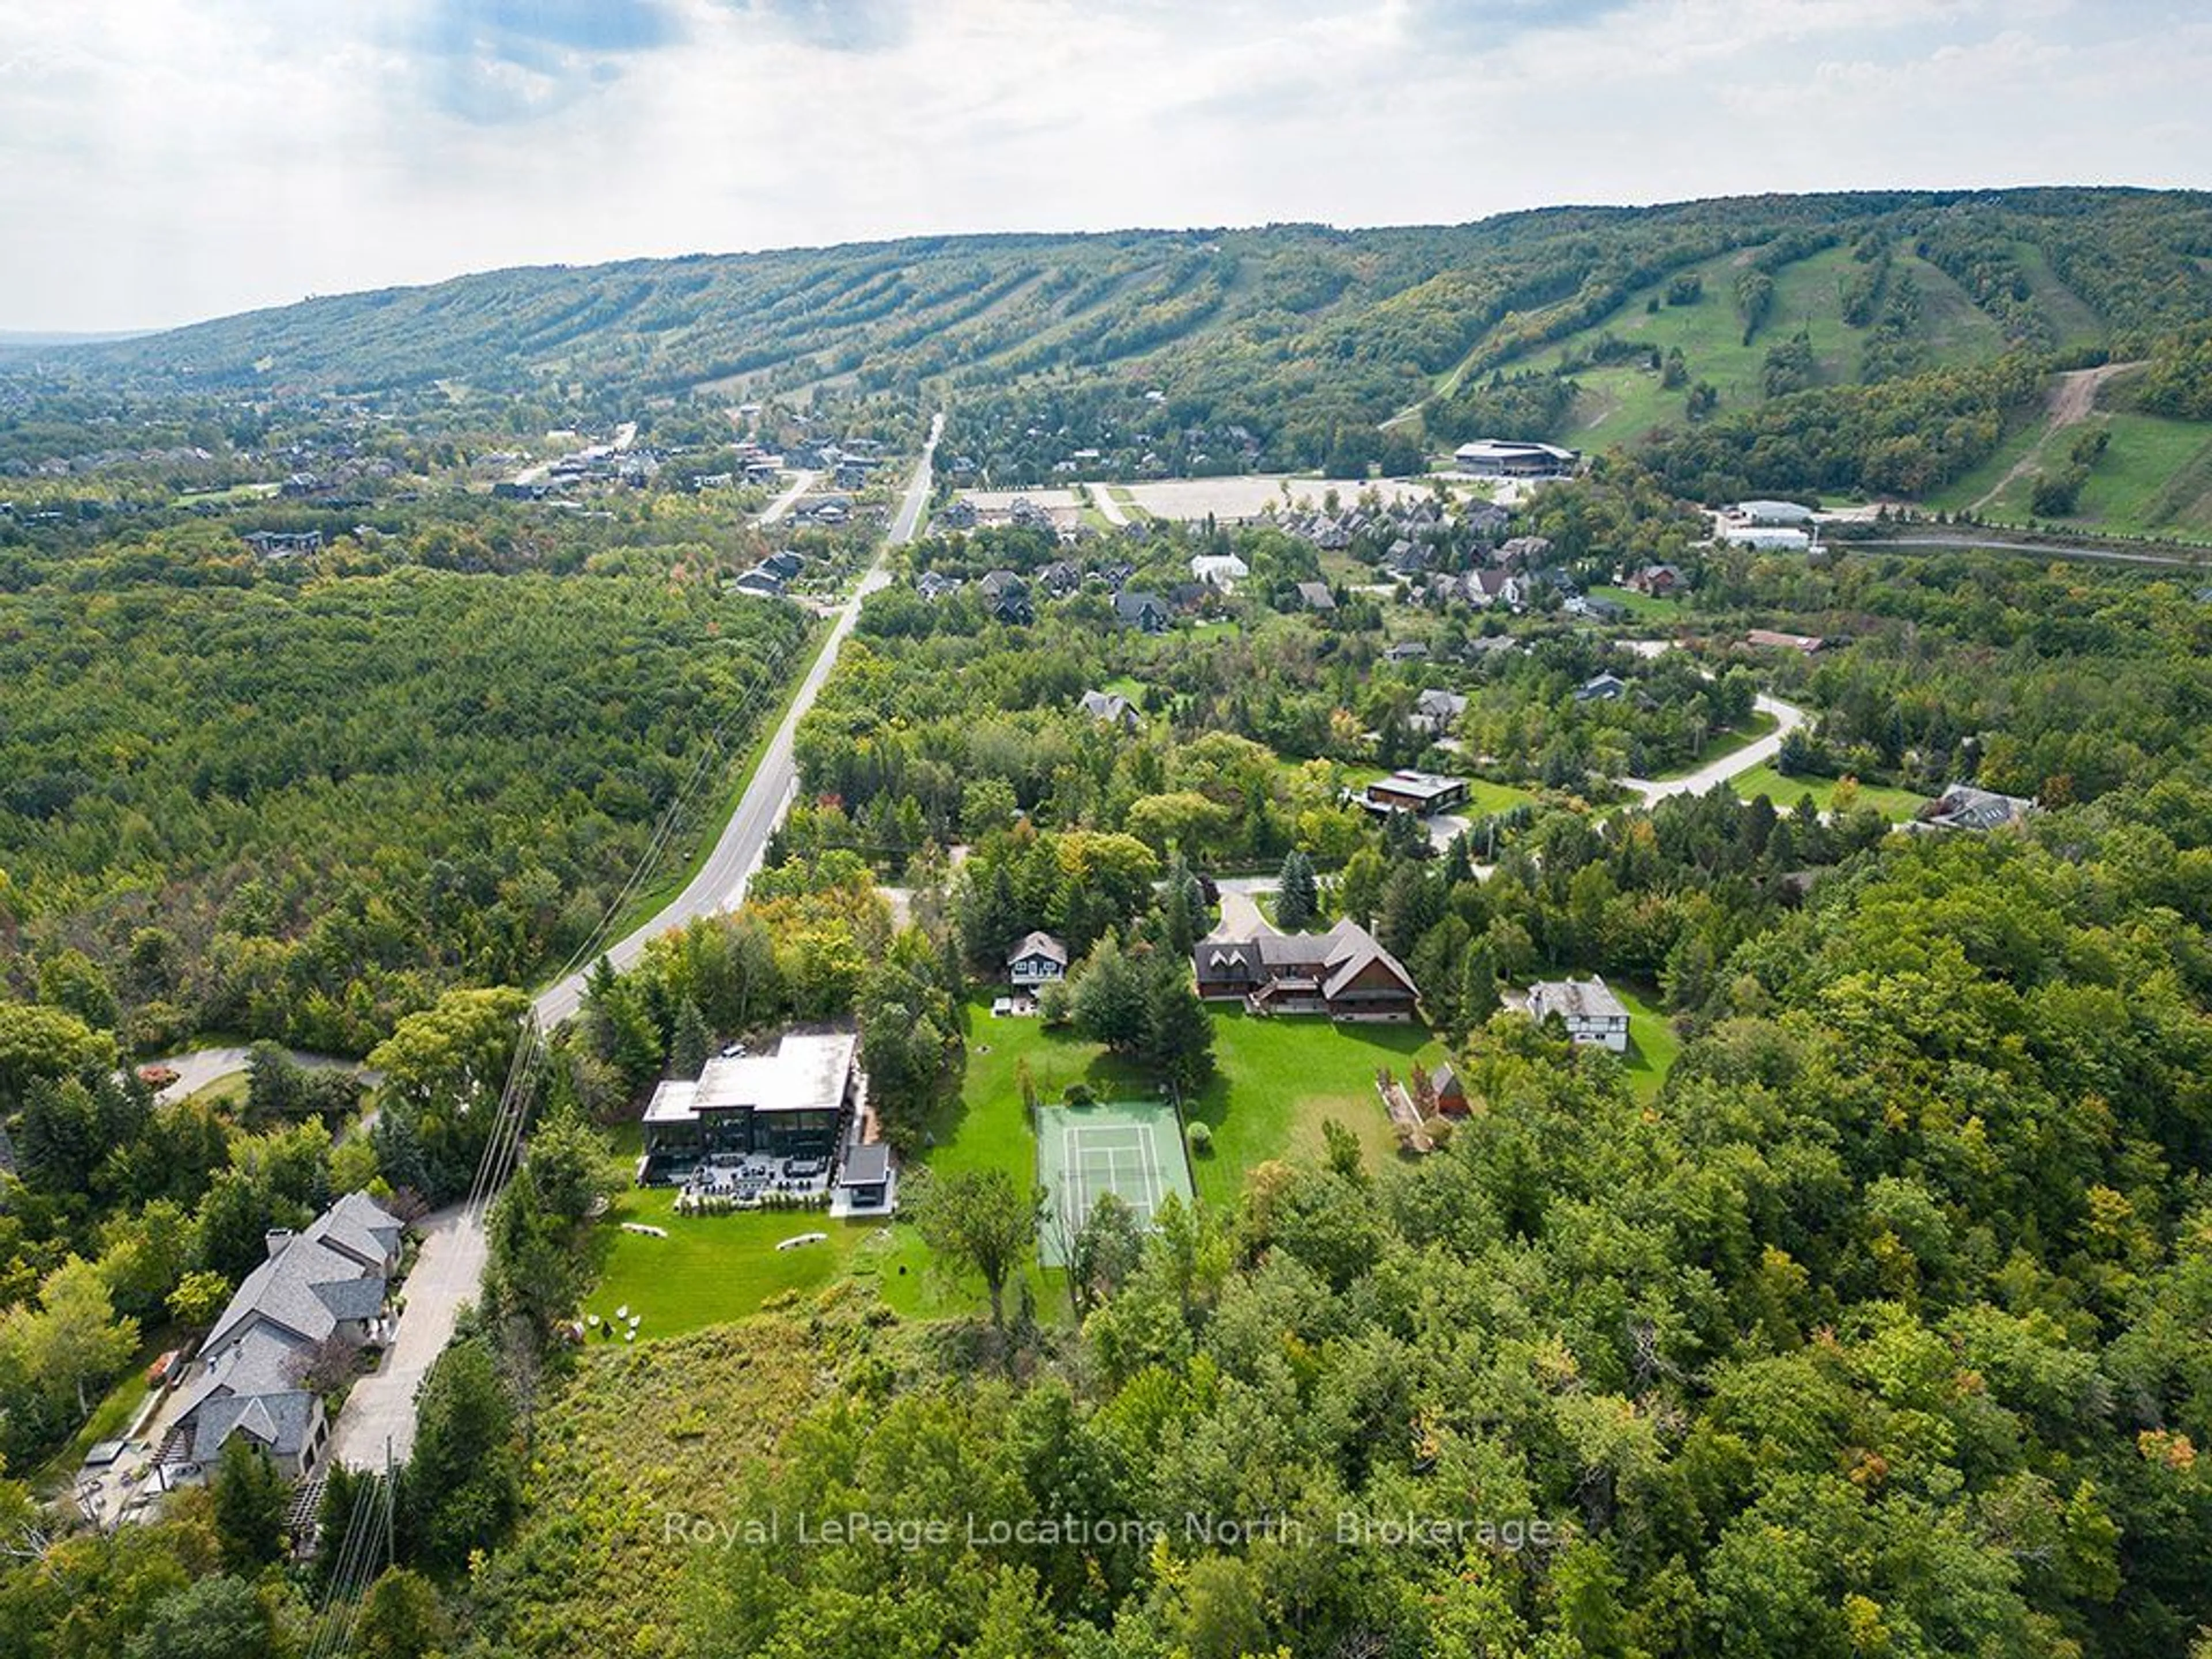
x: 166, y: 159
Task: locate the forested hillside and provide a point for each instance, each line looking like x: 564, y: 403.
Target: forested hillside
x: 1215, y: 350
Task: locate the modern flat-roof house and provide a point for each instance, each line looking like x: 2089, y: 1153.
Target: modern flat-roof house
x: 324, y: 1283
x: 1343, y: 973
x: 864, y: 1181
x: 1510, y: 458
x: 787, y: 1104
x: 1425, y: 793
x: 1037, y: 960
x: 1588, y: 1008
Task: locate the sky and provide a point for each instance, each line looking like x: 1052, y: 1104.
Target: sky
x: 164, y: 160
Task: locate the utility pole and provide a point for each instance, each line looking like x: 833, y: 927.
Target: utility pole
x: 390, y: 1509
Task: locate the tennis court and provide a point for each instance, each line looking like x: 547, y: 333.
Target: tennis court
x: 1130, y: 1148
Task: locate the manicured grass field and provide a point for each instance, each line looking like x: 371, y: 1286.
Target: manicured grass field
x: 1277, y: 1081
x: 1898, y: 804
x: 1652, y: 1044
x: 1279, y: 1078
x: 1484, y: 796
x: 1645, y: 606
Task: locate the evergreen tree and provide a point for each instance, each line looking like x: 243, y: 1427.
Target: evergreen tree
x: 689, y: 1045
x: 1298, y: 897
x: 250, y: 1498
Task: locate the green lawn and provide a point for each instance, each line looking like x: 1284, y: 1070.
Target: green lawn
x: 1760, y: 724
x: 1898, y: 804
x: 1641, y: 605
x: 1652, y: 1044
x: 2154, y: 479
x: 1279, y: 1078
x: 1484, y: 796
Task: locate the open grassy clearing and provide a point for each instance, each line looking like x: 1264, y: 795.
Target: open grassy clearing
x: 1643, y: 606
x: 1785, y: 792
x: 1652, y: 1044
x: 1278, y: 1079
x: 1621, y: 403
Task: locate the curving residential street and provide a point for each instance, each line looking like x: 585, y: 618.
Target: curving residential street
x: 1788, y: 717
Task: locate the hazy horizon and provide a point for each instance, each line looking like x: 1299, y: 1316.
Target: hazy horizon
x: 186, y: 162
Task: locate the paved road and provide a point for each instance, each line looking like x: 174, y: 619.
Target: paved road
x: 447, y: 1273
x: 1102, y: 497
x: 801, y: 483
x: 720, y: 883
x: 1788, y: 717
x: 202, y: 1066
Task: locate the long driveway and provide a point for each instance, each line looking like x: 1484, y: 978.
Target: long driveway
x: 801, y: 482
x: 449, y: 1272
x: 720, y: 882
x: 1788, y: 717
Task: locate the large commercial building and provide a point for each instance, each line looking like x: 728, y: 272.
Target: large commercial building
x: 1511, y: 457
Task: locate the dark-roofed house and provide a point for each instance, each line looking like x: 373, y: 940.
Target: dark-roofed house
x: 1601, y: 688
x: 323, y: 1284
x: 1006, y: 596
x: 1037, y: 960
x: 1423, y: 793
x: 1436, y: 711
x: 1146, y: 612
x: 1588, y: 1007
x: 1963, y: 807
x: 1343, y: 973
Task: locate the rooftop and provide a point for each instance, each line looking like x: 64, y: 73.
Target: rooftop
x: 808, y: 1072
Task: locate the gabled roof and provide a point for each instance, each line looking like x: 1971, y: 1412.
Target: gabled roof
x: 286, y: 1290
x: 1039, y: 943
x: 1576, y: 999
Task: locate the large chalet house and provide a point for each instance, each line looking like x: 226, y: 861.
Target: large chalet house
x: 324, y: 1284
x: 1343, y: 973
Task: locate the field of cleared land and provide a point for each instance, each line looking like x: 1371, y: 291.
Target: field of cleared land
x: 1620, y: 402
x: 1242, y: 497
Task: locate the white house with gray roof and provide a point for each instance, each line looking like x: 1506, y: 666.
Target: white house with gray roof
x: 1587, y: 1008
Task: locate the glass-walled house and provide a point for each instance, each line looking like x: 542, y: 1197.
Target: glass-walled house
x: 790, y: 1103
